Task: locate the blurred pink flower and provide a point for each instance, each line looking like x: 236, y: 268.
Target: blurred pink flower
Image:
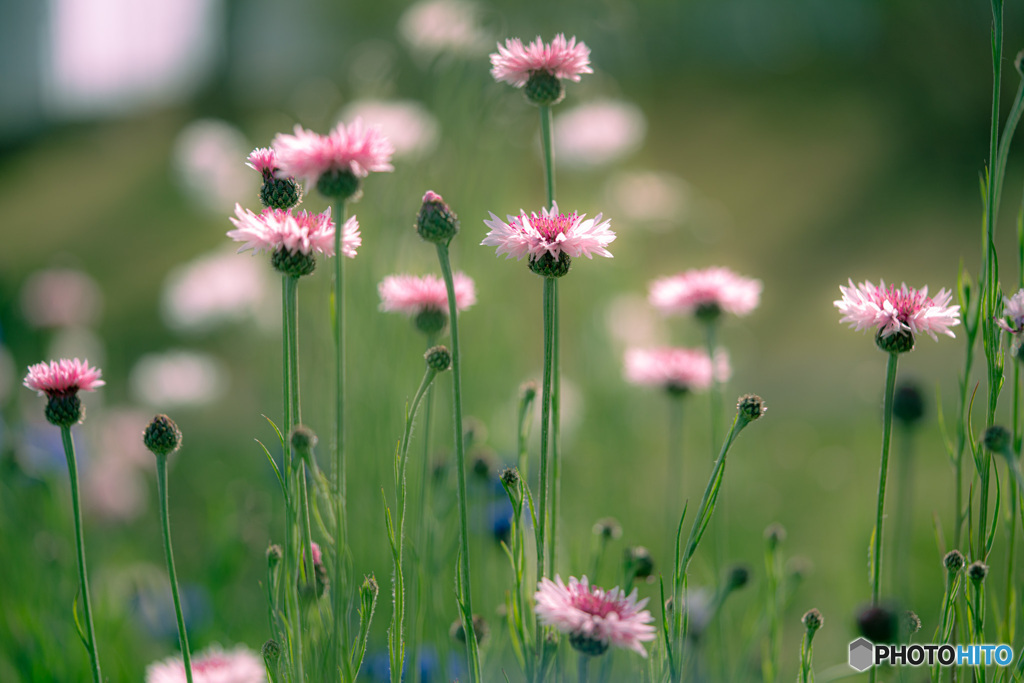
x: 212, y: 665
x: 356, y: 148
x: 434, y: 26
x: 676, y: 368
x: 411, y: 295
x: 707, y: 290
x: 212, y: 289
x: 61, y: 297
x: 593, y: 617
x: 1013, y: 310
x: 63, y: 378
x: 550, y: 232
x: 303, y: 231
x: 892, y: 310
x: 514, y: 63
x: 598, y: 133
x: 263, y: 160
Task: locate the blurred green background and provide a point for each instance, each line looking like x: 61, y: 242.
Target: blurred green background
x: 801, y: 142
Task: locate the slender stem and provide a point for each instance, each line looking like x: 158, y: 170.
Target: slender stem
x: 293, y: 572
x: 547, y: 142
x: 545, y: 426
x: 581, y: 670
x: 714, y: 392
x: 460, y: 461
x: 340, y: 608
x: 674, y: 482
x: 556, y: 461
x: 890, y: 386
x: 165, y: 523
x: 83, y: 575
x: 426, y: 519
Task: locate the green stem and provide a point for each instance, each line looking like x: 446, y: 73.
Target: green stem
x: 581, y: 670
x: 291, y: 315
x: 165, y: 524
x: 556, y: 461
x: 460, y: 462
x: 340, y: 606
x: 83, y: 576
x: 674, y: 482
x: 715, y: 390
x: 876, y: 564
x: 422, y: 535
x: 547, y: 142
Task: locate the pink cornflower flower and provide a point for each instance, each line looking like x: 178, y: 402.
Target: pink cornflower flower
x: 551, y: 232
x: 706, y: 293
x: 262, y: 160
x: 891, y: 311
x: 594, y: 618
x: 1013, y: 313
x: 299, y: 232
x: 357, y: 149
x: 412, y: 295
x: 213, y: 665
x: 678, y: 370
x: 514, y: 63
x: 63, y: 378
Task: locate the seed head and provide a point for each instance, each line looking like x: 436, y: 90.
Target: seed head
x: 954, y: 561
x: 162, y: 437
x: 751, y: 407
x: 438, y: 358
x: 436, y: 222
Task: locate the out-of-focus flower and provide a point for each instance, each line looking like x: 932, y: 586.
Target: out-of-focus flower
x: 551, y: 232
x: 205, y: 160
x: 114, y: 491
x: 212, y: 665
x: 890, y: 311
x: 434, y: 26
x: 515, y: 63
x: 594, y: 618
x: 178, y: 378
x: 357, y: 149
x: 213, y: 289
x: 598, y: 133
x: 676, y: 369
x: 412, y: 130
x: 63, y: 378
x: 412, y: 295
x: 706, y: 293
x: 61, y: 297
x: 1013, y: 313
x: 631, y: 322
x: 649, y: 197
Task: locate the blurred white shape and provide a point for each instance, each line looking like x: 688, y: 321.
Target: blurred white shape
x: 120, y: 437
x: 61, y: 297
x: 113, y: 491
x: 434, y: 26
x: 178, y: 378
x: 406, y: 123
x: 216, y: 288
x: 649, y: 197
x: 112, y: 56
x: 631, y: 321
x: 598, y: 133
x: 209, y: 162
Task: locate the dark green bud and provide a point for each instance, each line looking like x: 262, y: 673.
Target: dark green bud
x: 64, y: 410
x: 544, y: 89
x: 608, y: 528
x: 977, y: 571
x: 162, y: 437
x: 438, y: 358
x: 436, y: 222
x: 639, y: 562
x: 431, y: 321
x: 774, y: 535
x: 548, y: 266
x: 293, y: 263
x: 280, y: 193
x: 303, y: 439
x: 812, y: 621
x: 588, y: 645
x: 908, y: 404
x: 997, y: 439
x: 708, y: 312
x: 509, y: 477
x: 274, y: 555
x: 737, y: 577
x: 911, y: 622
x: 954, y: 561
x: 751, y: 407
x: 878, y: 623
x: 271, y: 652
x: 900, y: 342
x: 339, y: 184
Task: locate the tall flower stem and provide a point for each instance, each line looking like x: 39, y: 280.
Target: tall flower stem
x: 545, y: 426
x: 714, y: 391
x: 340, y: 606
x: 547, y: 142
x: 293, y: 471
x: 556, y: 424
x: 674, y: 481
x: 424, y: 533
x: 83, y: 575
x: 876, y: 556
x: 165, y: 525
x: 465, y: 596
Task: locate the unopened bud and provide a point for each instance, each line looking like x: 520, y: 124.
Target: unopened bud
x: 162, y: 436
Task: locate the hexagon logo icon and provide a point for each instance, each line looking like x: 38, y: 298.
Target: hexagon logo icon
x: 862, y: 654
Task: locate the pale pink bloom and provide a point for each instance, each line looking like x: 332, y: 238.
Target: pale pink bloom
x: 412, y: 295
x: 551, y: 232
x: 676, y: 368
x: 598, y: 133
x: 275, y: 229
x: 562, y: 58
x: 351, y: 239
x: 61, y: 297
x: 63, y: 378
x: 890, y: 310
x: 356, y: 148
x: 609, y: 617
x: 1013, y: 313
x: 212, y: 665
x: 694, y: 290
x: 262, y: 159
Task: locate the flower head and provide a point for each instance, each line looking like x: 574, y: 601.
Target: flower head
x: 890, y: 311
x: 550, y: 232
x: 1013, y: 313
x: 706, y: 293
x: 63, y: 378
x: 213, y: 665
x: 300, y: 232
x: 594, y: 618
x: 413, y: 295
x: 262, y: 160
x: 514, y: 63
x: 357, y: 149
x: 676, y: 369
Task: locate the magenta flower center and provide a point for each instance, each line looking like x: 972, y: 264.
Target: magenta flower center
x: 550, y: 227
x: 595, y: 604
x: 905, y: 303
x: 211, y: 663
